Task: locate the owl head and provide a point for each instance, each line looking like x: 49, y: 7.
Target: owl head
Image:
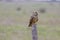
x: 35, y: 13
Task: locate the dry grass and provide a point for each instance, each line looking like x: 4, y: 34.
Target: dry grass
x: 13, y: 23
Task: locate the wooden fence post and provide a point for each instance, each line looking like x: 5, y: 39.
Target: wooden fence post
x: 34, y: 32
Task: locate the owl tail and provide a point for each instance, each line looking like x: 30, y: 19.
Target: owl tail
x: 30, y: 24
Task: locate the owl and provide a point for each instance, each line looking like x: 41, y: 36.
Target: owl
x: 33, y: 19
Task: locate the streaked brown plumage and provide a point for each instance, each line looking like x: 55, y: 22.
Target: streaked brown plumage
x: 33, y: 20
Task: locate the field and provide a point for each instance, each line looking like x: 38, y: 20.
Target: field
x: 14, y: 23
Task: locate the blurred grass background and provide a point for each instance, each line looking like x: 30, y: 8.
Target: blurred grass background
x: 14, y: 24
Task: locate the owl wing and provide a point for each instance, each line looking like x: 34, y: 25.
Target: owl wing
x: 31, y: 21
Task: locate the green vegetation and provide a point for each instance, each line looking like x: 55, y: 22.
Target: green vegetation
x: 13, y: 23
